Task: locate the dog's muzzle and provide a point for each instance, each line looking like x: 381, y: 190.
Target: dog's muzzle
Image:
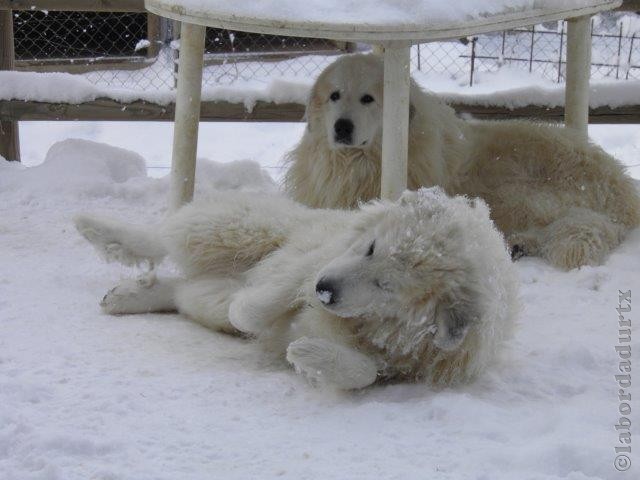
x: 343, y: 131
x: 327, y: 291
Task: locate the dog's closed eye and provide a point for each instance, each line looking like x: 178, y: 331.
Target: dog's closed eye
x: 371, y: 249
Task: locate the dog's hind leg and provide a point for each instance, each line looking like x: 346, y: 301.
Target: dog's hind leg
x: 330, y: 363
x: 116, y: 241
x: 141, y: 296
x: 580, y: 237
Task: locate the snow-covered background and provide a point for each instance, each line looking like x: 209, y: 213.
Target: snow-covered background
x: 154, y: 397
x: 88, y: 396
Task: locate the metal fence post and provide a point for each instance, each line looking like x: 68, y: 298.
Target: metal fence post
x: 9, y: 138
x: 560, y: 54
x: 633, y: 37
x: 619, y: 51
x: 533, y: 41
x: 473, y: 60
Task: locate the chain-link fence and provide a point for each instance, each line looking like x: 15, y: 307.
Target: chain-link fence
x: 139, y: 51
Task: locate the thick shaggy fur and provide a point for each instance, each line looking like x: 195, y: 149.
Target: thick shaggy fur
x: 552, y: 194
x: 419, y: 289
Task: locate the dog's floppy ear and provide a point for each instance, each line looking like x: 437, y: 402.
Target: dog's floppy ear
x: 313, y: 103
x: 454, y: 316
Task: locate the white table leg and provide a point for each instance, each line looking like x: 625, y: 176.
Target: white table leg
x: 576, y: 114
x: 187, y: 117
x: 395, y: 125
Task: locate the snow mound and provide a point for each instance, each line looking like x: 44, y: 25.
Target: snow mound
x: 83, y: 170
x: 86, y: 159
x: 77, y: 168
x: 245, y: 175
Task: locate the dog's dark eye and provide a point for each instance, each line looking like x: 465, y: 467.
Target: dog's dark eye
x: 366, y: 99
x: 372, y: 247
x: 335, y: 96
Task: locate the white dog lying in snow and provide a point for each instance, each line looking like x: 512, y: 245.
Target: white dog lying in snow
x: 419, y: 289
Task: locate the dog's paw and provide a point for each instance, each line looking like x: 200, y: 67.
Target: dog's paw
x: 326, y: 363
x: 250, y: 315
x: 139, y: 296
x: 244, y: 317
x: 122, y: 298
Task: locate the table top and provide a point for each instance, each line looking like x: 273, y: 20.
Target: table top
x: 374, y: 21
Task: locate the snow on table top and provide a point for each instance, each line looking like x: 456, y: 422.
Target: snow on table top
x: 397, y: 17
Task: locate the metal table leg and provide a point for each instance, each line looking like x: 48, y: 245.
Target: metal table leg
x: 187, y: 116
x: 578, y: 71
x: 395, y: 126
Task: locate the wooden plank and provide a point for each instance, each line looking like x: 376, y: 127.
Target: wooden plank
x: 630, y: 6
x: 83, y: 65
x: 629, y: 114
x: 75, y: 5
x: 107, y: 109
x: 9, y: 137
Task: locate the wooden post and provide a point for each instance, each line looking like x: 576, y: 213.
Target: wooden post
x: 187, y: 119
x: 395, y: 125
x: 153, y: 35
x: 9, y: 139
x: 578, y: 72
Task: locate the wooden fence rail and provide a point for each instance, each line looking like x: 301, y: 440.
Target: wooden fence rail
x: 105, y: 109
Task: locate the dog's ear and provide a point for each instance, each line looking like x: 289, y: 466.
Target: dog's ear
x: 314, y: 102
x: 454, y: 316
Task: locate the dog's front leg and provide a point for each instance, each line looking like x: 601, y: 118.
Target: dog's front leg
x: 330, y: 363
x: 255, y: 309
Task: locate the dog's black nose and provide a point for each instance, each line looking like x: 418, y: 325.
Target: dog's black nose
x: 326, y: 291
x: 344, y: 130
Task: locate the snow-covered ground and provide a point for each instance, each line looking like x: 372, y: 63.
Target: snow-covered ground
x: 88, y: 396
x: 265, y: 143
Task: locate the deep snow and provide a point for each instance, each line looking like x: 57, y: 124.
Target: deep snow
x: 88, y: 396
x: 509, y: 87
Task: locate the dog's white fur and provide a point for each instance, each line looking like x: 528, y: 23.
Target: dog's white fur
x: 432, y: 299
x: 552, y: 194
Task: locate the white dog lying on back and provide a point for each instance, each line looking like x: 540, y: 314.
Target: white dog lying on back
x: 419, y: 289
